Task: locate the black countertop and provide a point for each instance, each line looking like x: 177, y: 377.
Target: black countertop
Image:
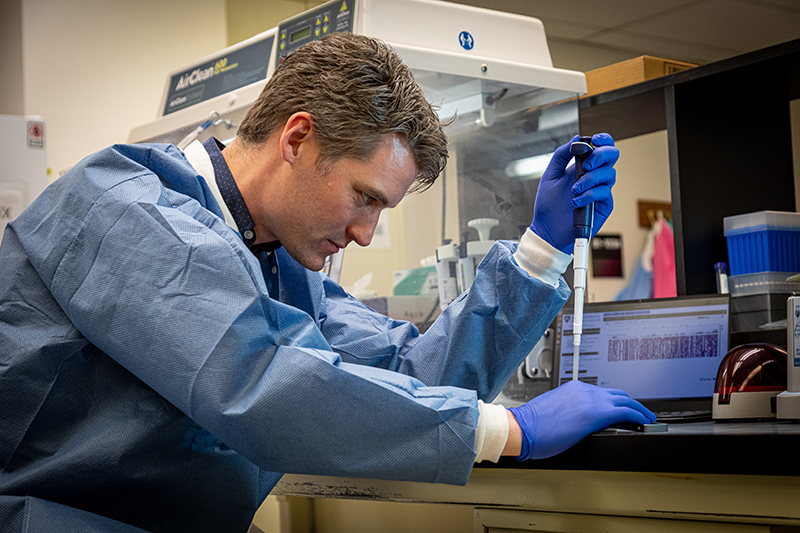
x: 708, y: 447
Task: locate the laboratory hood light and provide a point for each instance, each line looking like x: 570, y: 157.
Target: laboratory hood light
x: 529, y: 167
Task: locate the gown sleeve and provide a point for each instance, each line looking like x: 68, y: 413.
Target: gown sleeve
x: 477, y: 342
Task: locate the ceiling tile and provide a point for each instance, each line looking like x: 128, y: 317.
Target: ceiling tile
x: 732, y: 24
x: 607, y: 13
x: 568, y: 30
x: 789, y: 4
x: 669, y: 49
x: 700, y: 31
x: 584, y: 57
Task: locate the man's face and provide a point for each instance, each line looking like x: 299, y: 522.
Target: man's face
x: 324, y: 212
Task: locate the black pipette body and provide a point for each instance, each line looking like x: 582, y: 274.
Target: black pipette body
x: 583, y: 217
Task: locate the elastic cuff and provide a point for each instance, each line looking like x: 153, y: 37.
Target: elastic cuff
x: 540, y: 260
x: 491, y: 434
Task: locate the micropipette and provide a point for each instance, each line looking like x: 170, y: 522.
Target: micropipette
x: 583, y: 218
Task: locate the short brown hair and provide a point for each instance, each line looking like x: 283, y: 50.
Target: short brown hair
x: 356, y: 89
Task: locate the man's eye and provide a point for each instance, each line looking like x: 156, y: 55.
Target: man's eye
x: 367, y: 198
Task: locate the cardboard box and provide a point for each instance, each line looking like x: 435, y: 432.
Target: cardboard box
x: 631, y: 71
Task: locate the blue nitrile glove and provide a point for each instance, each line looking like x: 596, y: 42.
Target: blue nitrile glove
x: 560, y: 418
x: 552, y: 211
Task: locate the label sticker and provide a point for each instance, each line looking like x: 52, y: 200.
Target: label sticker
x: 220, y: 75
x: 796, y: 328
x: 465, y: 40
x: 35, y: 134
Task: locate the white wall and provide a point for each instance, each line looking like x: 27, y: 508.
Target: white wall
x: 94, y: 69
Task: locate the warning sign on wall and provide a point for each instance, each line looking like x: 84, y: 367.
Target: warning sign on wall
x: 35, y: 134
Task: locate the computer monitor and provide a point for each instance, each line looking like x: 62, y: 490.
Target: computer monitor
x: 664, y: 352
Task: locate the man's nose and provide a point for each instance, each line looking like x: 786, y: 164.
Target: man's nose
x: 362, y: 229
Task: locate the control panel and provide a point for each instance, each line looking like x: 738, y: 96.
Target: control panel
x: 336, y: 15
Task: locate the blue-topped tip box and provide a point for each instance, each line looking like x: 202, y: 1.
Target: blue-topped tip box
x: 763, y: 241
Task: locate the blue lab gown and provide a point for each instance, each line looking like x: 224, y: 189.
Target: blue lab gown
x: 147, y: 376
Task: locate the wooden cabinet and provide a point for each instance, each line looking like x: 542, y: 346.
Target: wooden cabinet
x: 555, y: 501
x: 488, y: 520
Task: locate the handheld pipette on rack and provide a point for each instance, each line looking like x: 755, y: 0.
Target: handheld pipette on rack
x: 582, y: 221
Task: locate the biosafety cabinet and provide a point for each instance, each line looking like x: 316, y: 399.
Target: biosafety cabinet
x: 490, y: 70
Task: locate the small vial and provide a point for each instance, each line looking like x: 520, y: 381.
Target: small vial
x: 721, y: 269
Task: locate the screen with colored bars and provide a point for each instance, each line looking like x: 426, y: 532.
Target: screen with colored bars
x: 652, y: 349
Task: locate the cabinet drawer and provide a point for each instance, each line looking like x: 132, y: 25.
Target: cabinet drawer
x: 508, y: 521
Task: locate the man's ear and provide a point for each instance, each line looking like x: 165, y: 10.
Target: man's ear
x: 296, y: 136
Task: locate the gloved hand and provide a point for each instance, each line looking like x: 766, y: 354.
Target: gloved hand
x: 560, y: 418
x: 552, y: 211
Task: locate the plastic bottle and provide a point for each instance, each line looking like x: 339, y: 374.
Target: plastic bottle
x: 721, y: 270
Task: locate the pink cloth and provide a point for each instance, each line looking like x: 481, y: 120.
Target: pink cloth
x: 664, y: 284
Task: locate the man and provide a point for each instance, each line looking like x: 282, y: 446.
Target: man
x: 161, y: 368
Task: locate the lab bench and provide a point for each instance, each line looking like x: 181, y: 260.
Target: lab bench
x: 699, y: 476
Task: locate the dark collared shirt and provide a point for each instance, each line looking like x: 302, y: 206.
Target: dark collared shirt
x: 241, y: 215
x: 233, y: 198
